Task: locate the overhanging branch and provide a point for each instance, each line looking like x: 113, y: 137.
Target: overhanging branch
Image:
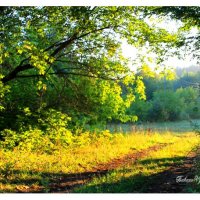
x: 72, y: 73
x: 14, y: 73
x: 61, y: 46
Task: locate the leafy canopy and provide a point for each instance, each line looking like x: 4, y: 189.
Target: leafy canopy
x: 72, y: 58
x: 189, y: 16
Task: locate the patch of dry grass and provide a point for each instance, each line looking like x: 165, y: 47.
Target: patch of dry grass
x: 28, y: 169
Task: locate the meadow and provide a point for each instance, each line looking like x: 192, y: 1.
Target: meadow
x: 168, y: 126
x: 101, y: 162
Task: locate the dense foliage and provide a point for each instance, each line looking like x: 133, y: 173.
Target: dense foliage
x: 70, y: 59
x: 169, y: 100
x: 62, y: 69
x: 189, y: 17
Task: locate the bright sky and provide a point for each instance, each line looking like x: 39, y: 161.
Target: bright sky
x: 172, y: 26
x: 131, y: 52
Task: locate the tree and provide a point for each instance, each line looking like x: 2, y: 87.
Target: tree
x: 189, y: 16
x: 166, y: 106
x: 71, y: 57
x: 190, y: 97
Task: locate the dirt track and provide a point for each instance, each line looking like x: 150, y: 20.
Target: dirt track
x: 164, y: 182
x: 169, y: 181
x: 68, y: 182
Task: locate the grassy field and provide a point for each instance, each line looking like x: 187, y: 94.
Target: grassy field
x: 22, y: 169
x: 25, y: 171
x: 139, y: 176
x: 176, y: 126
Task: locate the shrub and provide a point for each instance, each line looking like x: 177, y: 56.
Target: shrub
x: 10, y: 139
x: 50, y: 133
x: 37, y: 140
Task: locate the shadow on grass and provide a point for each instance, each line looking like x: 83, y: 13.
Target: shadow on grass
x: 162, y: 182
x: 162, y: 161
x: 53, y: 182
x: 83, y: 182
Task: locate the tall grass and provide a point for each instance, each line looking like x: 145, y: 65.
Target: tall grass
x: 21, y: 168
x: 139, y: 176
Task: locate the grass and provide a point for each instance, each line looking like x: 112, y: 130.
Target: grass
x: 29, y: 171
x: 195, y: 187
x: 22, y: 165
x: 140, y: 176
x: 175, y: 126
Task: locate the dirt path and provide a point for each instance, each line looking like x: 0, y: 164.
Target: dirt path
x: 68, y: 182
x: 164, y: 182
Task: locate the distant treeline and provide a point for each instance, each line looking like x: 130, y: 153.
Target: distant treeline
x: 180, y: 71
x: 168, y: 100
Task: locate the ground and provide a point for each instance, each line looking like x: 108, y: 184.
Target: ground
x: 138, y: 162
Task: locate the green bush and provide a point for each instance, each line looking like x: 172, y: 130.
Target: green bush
x: 36, y: 140
x: 49, y: 134
x: 140, y: 108
x: 10, y: 139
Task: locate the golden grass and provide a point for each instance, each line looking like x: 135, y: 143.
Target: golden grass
x: 126, y: 179
x: 23, y: 165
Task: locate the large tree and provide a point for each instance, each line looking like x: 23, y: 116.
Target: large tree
x: 72, y: 58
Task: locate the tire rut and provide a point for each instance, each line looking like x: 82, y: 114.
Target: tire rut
x: 67, y: 183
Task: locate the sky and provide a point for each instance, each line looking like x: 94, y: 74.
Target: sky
x: 174, y: 62
x: 131, y: 52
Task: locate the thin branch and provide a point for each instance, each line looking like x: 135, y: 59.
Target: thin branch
x: 53, y: 45
x: 72, y: 73
x: 62, y: 46
x: 14, y: 73
x: 74, y: 37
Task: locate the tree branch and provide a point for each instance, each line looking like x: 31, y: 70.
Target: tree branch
x: 61, y: 46
x: 14, y: 73
x: 72, y: 73
x: 75, y: 37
